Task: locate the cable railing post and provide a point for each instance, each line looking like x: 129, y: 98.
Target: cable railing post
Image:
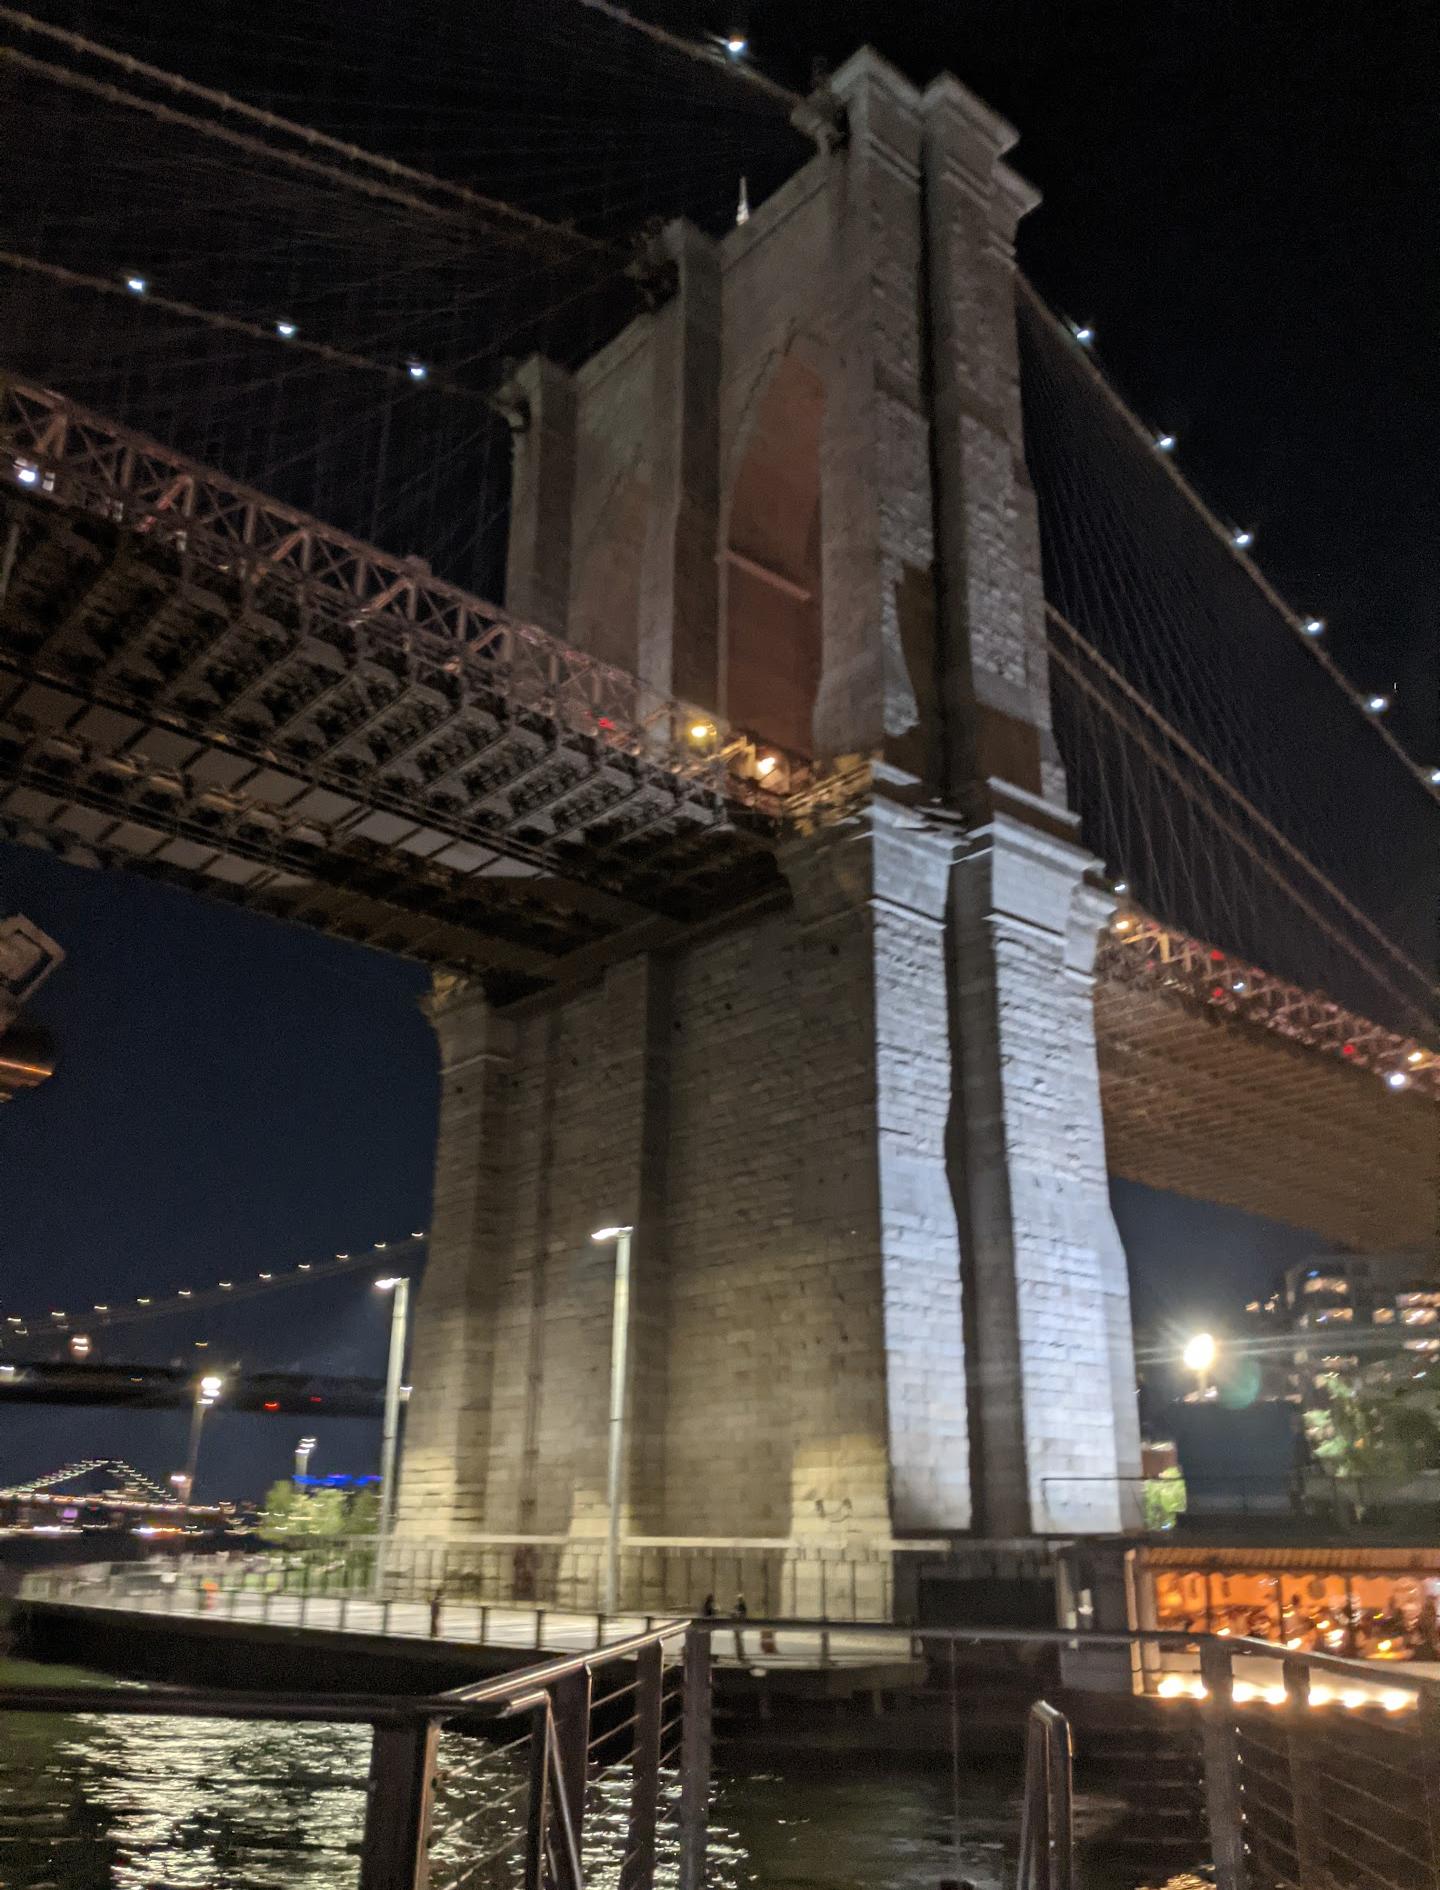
x: 571, y: 1702
x: 1427, y: 1716
x: 638, y: 1870
x: 1060, y: 1803
x: 1222, y: 1767
x: 1306, y: 1800
x: 537, y: 1821
x: 695, y: 1759
x: 398, y: 1804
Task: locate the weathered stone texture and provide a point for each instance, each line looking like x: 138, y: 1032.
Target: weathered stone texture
x: 877, y: 1285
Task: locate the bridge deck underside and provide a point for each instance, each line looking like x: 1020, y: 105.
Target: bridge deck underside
x: 230, y: 735
x: 331, y: 769
x: 1205, y: 1106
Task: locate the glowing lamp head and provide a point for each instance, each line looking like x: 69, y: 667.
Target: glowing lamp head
x: 287, y: 331
x: 1242, y: 540
x: 80, y: 1345
x: 766, y: 765
x: 604, y: 1235
x: 137, y: 285
x: 701, y: 731
x: 27, y: 474
x: 1377, y: 704
x: 1165, y: 442
x: 389, y: 1283
x: 1200, y: 1352
x: 417, y: 370
x: 1435, y: 777
x: 1083, y: 333
x: 737, y: 45
x: 1396, y: 1079
x: 211, y: 1386
x: 1314, y: 626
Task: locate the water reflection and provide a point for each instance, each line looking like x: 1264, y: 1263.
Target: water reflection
x: 100, y: 1802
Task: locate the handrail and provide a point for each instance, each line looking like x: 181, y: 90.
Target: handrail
x: 1047, y: 1811
x: 407, y: 1791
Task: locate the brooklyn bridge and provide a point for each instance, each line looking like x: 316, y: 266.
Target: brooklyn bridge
x: 861, y: 828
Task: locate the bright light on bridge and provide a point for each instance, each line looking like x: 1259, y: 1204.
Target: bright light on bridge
x: 1200, y: 1352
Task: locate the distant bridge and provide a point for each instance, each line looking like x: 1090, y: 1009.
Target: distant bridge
x: 171, y: 1388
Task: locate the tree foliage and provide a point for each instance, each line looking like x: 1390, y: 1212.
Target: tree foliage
x: 291, y: 1510
x: 1380, y: 1432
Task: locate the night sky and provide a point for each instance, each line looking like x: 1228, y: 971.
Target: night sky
x: 1242, y: 200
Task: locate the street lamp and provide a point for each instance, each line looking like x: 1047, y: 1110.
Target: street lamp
x: 619, y: 1341
x: 399, y: 1315
x: 302, y: 1457
x: 1199, y: 1356
x: 206, y: 1392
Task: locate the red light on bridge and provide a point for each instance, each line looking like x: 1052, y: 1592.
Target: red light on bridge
x: 272, y: 1404
x: 1347, y: 1049
x: 1216, y: 957
x: 315, y: 1400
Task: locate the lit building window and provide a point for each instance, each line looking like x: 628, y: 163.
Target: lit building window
x: 1384, y: 1315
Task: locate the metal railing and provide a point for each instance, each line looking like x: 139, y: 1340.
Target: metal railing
x: 1317, y: 1770
x: 1047, y: 1810
x: 491, y: 1784
x: 836, y: 1582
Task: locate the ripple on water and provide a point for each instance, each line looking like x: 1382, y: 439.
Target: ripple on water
x: 94, y: 1802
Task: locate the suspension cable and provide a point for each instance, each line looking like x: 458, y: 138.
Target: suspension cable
x: 518, y: 222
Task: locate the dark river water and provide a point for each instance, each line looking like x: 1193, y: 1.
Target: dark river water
x: 91, y: 1801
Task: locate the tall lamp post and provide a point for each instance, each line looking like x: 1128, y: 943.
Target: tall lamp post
x: 389, y: 1438
x: 206, y: 1392
x: 619, y: 1342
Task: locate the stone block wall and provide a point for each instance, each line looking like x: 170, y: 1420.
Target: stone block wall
x: 876, y: 1282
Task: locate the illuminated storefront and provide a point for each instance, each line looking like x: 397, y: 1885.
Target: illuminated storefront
x: 1378, y: 1604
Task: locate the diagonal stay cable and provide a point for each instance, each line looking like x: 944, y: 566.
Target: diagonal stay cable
x: 1213, y: 774
x: 518, y: 222
x: 1291, y: 618
x: 1074, y: 671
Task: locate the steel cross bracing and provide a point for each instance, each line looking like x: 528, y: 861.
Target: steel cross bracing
x: 213, y: 688
x: 1222, y: 1082
x: 211, y: 685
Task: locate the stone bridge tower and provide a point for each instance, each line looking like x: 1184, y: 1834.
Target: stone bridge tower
x: 878, y: 1288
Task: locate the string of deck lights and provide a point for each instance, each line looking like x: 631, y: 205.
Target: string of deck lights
x: 1241, y: 539
x: 287, y: 330
x: 183, y: 1298
x: 1225, y: 980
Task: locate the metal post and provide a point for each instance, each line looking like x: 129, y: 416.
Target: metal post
x: 695, y: 1760
x: 571, y: 1699
x: 537, y: 1824
x: 638, y: 1871
x: 1306, y: 1798
x: 1060, y: 1798
x: 1222, y: 1767
x: 390, y: 1435
x: 397, y: 1805
x: 619, y: 1346
x: 192, y: 1454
